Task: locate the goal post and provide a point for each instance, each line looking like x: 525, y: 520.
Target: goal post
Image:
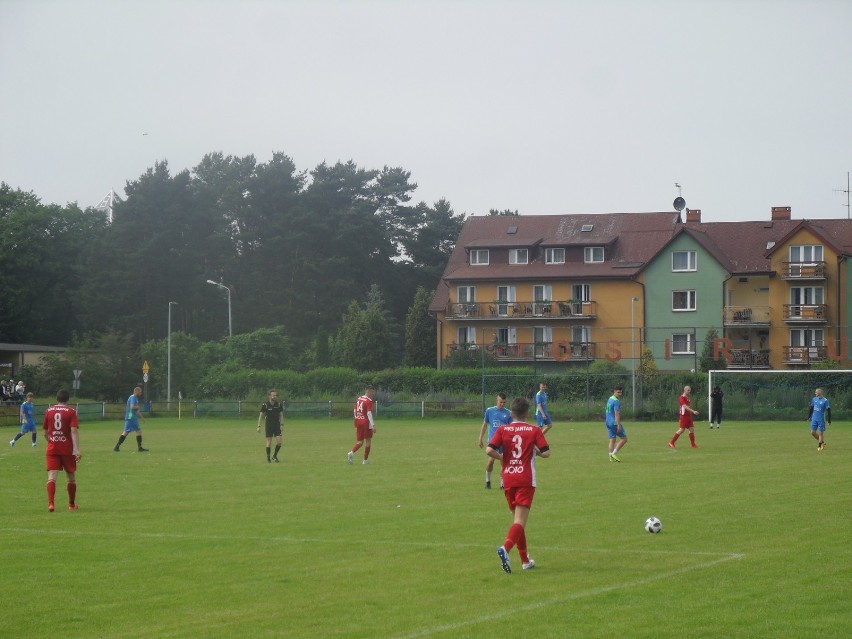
x: 778, y: 394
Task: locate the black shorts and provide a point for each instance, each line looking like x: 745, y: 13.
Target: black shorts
x: 273, y: 430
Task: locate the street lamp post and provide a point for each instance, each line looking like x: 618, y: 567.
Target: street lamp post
x: 169, y: 360
x: 633, y: 354
x: 220, y: 285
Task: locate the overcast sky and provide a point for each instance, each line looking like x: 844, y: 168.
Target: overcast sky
x: 541, y: 106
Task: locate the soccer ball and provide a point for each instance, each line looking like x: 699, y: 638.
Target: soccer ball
x: 653, y: 525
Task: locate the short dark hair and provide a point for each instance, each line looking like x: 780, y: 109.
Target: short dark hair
x: 369, y: 387
x: 501, y: 395
x: 520, y: 407
x: 62, y: 396
x: 621, y: 388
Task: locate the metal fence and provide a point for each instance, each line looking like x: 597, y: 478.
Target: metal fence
x: 105, y: 411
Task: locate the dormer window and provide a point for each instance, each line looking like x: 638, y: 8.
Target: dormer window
x: 554, y: 256
x: 519, y: 256
x: 593, y: 254
x: 479, y: 257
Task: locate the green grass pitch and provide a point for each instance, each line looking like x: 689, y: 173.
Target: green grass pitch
x: 202, y: 538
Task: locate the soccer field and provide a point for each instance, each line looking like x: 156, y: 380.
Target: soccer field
x: 202, y: 538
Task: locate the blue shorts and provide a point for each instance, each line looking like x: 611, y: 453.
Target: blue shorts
x: 132, y: 425
x: 820, y: 426
x: 611, y: 431
x: 28, y: 428
x: 541, y: 420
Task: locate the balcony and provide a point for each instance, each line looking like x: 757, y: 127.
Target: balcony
x: 805, y: 313
x: 745, y: 316
x: 533, y: 351
x: 571, y: 309
x: 803, y: 270
x: 742, y: 358
x: 805, y: 354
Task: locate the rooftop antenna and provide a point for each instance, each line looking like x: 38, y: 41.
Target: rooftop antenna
x: 679, y: 203
x: 846, y: 191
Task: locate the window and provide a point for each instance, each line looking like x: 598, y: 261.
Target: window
x: 807, y: 337
x: 554, y: 256
x: 806, y: 253
x: 479, y: 256
x: 518, y: 256
x: 684, y: 261
x: 683, y: 344
x: 466, y: 294
x: 683, y: 301
x: 542, y: 292
x: 466, y: 335
x: 593, y: 254
x: 581, y: 334
x: 806, y: 295
x: 581, y: 292
x: 505, y: 300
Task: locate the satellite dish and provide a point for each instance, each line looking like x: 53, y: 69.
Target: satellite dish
x: 679, y: 203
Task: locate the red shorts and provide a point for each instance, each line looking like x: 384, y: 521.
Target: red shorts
x: 363, y: 432
x: 686, y: 422
x: 62, y: 462
x: 520, y: 496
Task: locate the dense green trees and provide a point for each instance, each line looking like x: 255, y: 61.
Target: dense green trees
x: 296, y: 248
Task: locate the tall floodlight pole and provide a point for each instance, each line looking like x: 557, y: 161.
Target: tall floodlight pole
x: 169, y: 359
x: 230, y: 326
x: 633, y: 301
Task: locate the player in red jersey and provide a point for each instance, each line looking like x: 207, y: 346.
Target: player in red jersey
x: 365, y: 424
x: 685, y: 423
x: 63, y: 447
x: 520, y: 443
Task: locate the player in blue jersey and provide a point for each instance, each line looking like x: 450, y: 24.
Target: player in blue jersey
x: 494, y: 417
x: 542, y: 416
x: 28, y: 424
x: 131, y: 421
x: 614, y: 428
x: 819, y: 414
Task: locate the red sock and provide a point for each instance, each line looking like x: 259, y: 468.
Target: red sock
x: 513, y: 537
x: 355, y: 448
x: 522, y: 546
x: 51, y: 491
x: 72, y: 491
x: 692, y: 438
x: 674, y: 439
x: 366, y: 453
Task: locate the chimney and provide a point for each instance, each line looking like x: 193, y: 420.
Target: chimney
x: 693, y: 215
x: 780, y: 212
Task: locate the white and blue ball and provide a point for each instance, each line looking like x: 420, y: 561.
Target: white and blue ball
x: 653, y: 525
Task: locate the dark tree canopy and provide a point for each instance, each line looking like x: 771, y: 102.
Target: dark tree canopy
x: 295, y: 249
